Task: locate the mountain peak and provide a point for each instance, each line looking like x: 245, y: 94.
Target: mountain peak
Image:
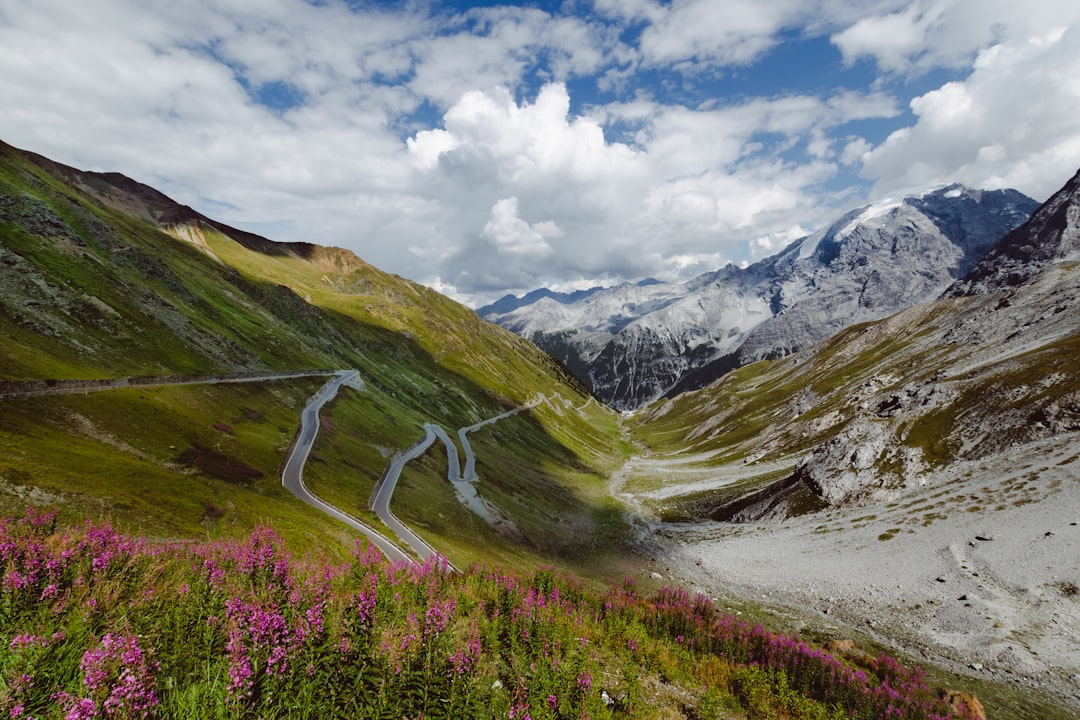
x: 1051, y: 235
x: 870, y: 263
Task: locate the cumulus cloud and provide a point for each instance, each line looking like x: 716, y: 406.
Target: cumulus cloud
x: 926, y: 34
x: 691, y: 187
x: 1011, y: 123
x: 512, y: 236
x: 499, y: 148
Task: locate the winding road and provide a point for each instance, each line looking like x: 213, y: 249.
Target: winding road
x: 292, y: 477
x: 292, y: 474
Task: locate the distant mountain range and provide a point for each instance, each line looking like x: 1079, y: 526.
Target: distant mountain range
x: 634, y: 343
x: 873, y: 439
x: 896, y: 404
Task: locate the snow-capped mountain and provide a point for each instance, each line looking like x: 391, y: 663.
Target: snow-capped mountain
x: 634, y: 343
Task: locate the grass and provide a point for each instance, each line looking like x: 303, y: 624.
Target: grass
x: 118, y: 454
x: 104, y: 294
x: 552, y: 487
x: 92, y: 292
x: 98, y: 625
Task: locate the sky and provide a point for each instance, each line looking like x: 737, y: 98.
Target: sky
x: 484, y: 148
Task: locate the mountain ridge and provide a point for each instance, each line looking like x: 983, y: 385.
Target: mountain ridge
x: 633, y: 344
x: 931, y: 449
x: 1025, y: 251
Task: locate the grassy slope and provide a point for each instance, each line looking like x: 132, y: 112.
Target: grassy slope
x: 772, y: 413
x: 91, y: 291
x: 117, y: 455
x: 231, y: 630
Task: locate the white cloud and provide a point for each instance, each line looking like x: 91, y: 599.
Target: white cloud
x: 731, y: 32
x: 695, y: 184
x: 854, y: 151
x: 925, y: 34
x: 768, y: 245
x: 892, y: 40
x: 505, y: 147
x: 1011, y: 123
x: 513, y: 236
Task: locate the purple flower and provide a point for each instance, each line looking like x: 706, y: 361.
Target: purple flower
x: 117, y: 673
x: 438, y: 616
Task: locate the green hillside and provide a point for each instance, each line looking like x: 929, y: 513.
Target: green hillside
x: 101, y: 277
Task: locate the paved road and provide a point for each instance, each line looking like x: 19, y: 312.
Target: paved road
x: 380, y: 500
x: 292, y: 475
x: 469, y: 474
x: 10, y: 390
x: 384, y: 490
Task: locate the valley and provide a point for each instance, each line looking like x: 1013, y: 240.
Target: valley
x: 909, y: 482
x: 974, y: 571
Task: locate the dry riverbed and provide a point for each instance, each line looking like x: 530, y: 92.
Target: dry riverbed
x: 977, y: 570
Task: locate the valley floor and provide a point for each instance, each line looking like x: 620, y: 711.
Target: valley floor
x: 977, y: 570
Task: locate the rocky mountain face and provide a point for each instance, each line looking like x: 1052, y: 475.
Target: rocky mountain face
x: 897, y: 403
x: 632, y: 344
x: 1051, y: 236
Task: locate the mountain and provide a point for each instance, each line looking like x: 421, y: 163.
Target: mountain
x: 914, y: 479
x: 509, y: 303
x: 883, y: 405
x: 102, y: 277
x: 1052, y: 236
x: 632, y: 344
x: 916, y: 475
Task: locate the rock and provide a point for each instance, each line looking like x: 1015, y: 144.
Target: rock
x: 939, y: 579
x: 843, y: 647
x: 673, y: 337
x: 962, y: 598
x: 496, y: 685
x: 984, y: 538
x: 838, y: 474
x: 959, y: 702
x: 656, y: 576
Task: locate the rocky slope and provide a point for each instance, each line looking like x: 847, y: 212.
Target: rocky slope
x: 1052, y: 236
x: 634, y: 343
x: 922, y: 467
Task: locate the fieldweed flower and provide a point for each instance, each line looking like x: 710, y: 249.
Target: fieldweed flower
x: 438, y: 616
x: 464, y: 661
x: 118, y: 679
x: 386, y: 629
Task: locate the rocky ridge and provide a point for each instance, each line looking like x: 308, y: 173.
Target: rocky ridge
x: 913, y: 478
x: 634, y: 343
x: 1052, y: 235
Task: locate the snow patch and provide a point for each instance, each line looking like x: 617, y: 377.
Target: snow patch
x: 871, y: 212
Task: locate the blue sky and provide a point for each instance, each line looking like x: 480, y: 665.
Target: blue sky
x: 485, y: 148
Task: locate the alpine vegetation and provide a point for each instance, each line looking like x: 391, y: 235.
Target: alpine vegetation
x: 100, y: 625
